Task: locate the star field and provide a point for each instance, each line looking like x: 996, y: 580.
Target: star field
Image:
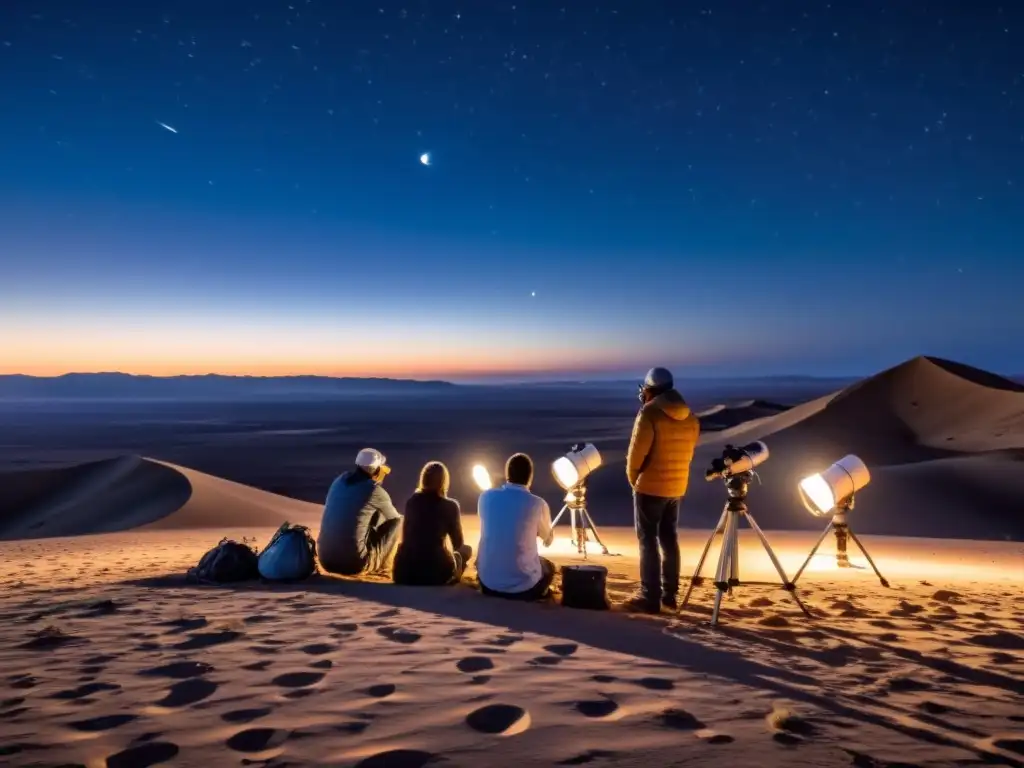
x: 660, y: 168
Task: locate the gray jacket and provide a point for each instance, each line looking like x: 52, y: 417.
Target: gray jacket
x: 355, y: 506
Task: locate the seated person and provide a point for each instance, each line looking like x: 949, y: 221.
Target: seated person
x: 431, y: 517
x: 511, y: 521
x: 360, y: 526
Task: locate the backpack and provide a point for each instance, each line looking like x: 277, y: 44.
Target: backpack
x: 290, y: 555
x: 229, y: 561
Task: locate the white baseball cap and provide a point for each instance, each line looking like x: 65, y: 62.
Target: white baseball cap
x: 372, y: 461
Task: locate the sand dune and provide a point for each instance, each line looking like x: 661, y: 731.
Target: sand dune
x: 133, y: 492
x: 945, y: 444
x: 722, y: 417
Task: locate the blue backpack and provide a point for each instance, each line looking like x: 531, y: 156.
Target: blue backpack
x: 290, y: 555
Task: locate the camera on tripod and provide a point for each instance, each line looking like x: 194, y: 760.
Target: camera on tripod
x: 735, y: 461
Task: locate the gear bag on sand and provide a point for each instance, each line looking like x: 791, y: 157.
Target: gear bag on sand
x: 227, y: 562
x: 290, y: 555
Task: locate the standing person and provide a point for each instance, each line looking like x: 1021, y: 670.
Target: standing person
x: 511, y: 521
x: 431, y: 518
x: 658, y: 469
x: 360, y: 526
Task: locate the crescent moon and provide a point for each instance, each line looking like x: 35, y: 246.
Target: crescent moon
x: 425, y: 158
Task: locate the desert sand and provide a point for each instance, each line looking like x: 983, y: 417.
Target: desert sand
x: 111, y: 658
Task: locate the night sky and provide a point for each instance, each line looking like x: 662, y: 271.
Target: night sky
x: 725, y: 188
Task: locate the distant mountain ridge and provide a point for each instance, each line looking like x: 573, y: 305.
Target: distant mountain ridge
x: 126, y: 385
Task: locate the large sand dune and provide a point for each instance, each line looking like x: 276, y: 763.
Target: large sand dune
x: 133, y: 492
x: 944, y: 442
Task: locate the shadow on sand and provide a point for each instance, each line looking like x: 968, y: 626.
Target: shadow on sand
x: 727, y: 653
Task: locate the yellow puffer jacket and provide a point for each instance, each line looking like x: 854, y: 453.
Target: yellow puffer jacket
x: 661, y: 449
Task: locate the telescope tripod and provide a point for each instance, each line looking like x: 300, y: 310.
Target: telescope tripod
x: 579, y: 520
x: 842, y: 530
x: 727, y: 573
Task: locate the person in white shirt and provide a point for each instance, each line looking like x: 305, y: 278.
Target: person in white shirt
x: 511, y: 521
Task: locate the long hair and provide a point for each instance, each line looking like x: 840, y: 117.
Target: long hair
x: 434, y: 478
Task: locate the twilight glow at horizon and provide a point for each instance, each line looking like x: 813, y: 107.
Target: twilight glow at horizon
x: 535, y: 190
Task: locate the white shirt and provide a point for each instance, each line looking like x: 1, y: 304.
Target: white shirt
x: 511, y: 521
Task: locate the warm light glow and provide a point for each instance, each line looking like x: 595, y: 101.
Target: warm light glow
x: 565, y: 472
x: 823, y: 492
x: 572, y: 469
x: 818, y: 493
x: 481, y: 477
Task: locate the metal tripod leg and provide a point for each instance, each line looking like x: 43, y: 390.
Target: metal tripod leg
x: 881, y: 578
x: 696, y: 578
x: 559, y: 515
x: 726, y: 563
x: 786, y: 583
x: 814, y: 549
x: 588, y: 521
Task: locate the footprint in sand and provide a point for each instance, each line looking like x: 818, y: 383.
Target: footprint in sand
x: 346, y: 627
x: 596, y: 708
x: 403, y: 636
x: 679, y: 720
x: 505, y: 640
x: 381, y: 691
x: 589, y: 756
x: 257, y: 739
x: 187, y: 693
x: 655, y: 683
x: 102, y: 723
x: 486, y: 649
x: 1006, y: 641
x: 604, y: 678
x: 208, y: 639
x: 257, y: 666
x: 322, y: 664
x: 773, y: 621
x: 259, y: 618
x: 789, y: 728
x: 298, y: 679
x: 245, y: 715
x: 474, y: 664
x: 318, y: 649
x: 179, y: 670
x: 906, y: 683
x: 545, y: 661
x: 564, y: 649
x: 399, y: 758
x: 499, y: 719
x: 144, y: 755
x: 83, y: 691
x: 934, y: 708
x: 184, y: 624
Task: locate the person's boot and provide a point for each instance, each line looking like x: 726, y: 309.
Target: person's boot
x: 670, y: 602
x: 640, y: 603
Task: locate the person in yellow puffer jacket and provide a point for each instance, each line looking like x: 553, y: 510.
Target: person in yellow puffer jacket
x: 661, y: 449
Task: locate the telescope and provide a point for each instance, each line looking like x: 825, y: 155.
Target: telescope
x: 571, y: 472
x: 735, y: 461
x: 736, y: 467
x: 831, y: 494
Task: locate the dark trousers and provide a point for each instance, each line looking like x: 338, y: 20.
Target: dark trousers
x: 656, y: 519
x: 381, y: 544
x: 537, y: 592
x: 434, y: 569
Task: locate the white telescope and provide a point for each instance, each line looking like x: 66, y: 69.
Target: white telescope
x: 822, y: 493
x: 573, y: 468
